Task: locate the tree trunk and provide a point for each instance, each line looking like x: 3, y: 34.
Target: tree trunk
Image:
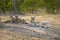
x: 3, y: 10
x: 57, y: 11
x: 53, y: 11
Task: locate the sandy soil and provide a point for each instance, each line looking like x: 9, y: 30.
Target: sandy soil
x: 8, y: 35
x: 11, y: 35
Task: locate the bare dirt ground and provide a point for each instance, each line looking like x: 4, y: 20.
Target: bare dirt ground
x: 8, y: 35
x: 11, y: 35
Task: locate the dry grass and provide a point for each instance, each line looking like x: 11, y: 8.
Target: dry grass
x: 46, y: 17
x: 8, y: 35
